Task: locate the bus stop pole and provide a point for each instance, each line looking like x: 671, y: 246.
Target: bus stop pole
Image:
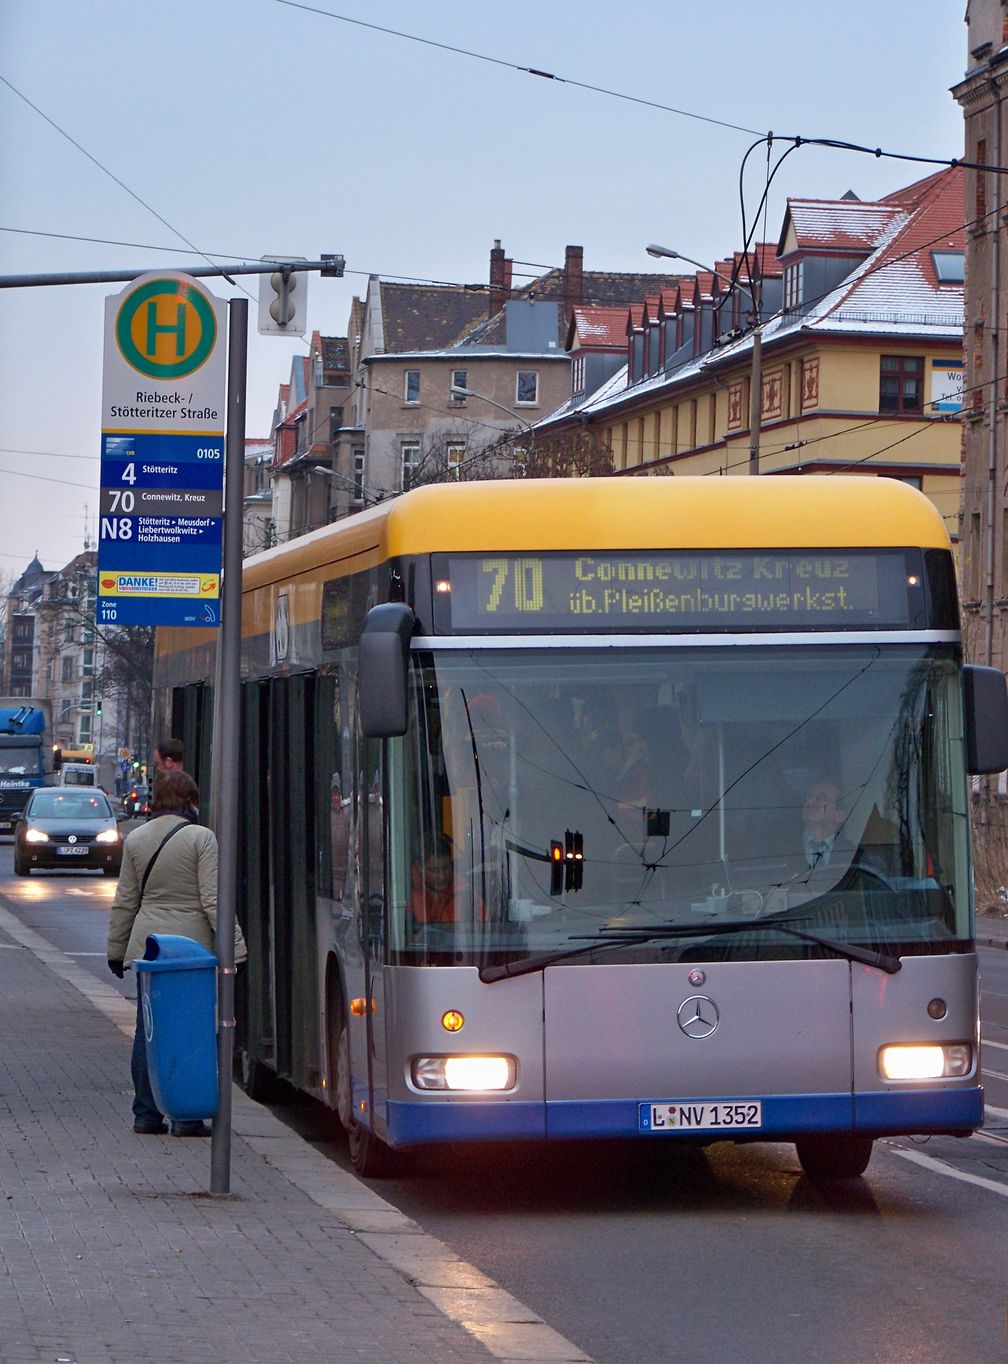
x: 227, y: 736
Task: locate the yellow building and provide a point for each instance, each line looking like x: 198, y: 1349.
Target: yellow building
x: 859, y: 363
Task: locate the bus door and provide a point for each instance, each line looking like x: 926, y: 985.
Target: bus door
x: 696, y: 1030
x: 368, y: 1047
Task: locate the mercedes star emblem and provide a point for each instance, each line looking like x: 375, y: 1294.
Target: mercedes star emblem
x: 698, y: 1017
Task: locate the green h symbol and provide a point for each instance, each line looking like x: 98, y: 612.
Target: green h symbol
x: 154, y: 327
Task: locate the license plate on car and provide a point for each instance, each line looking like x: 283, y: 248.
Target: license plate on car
x: 717, y: 1115
x: 73, y: 852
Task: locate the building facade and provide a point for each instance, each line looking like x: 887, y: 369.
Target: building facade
x: 856, y: 359
x: 983, y: 96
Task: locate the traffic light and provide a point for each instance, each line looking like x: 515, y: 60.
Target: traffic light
x: 282, y: 298
x: 135, y: 763
x: 574, y: 857
x: 98, y: 707
x: 566, y: 861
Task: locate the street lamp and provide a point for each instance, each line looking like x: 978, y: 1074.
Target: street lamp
x: 457, y: 391
x: 756, y: 381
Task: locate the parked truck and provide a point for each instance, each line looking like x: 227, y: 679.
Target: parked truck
x: 26, y: 753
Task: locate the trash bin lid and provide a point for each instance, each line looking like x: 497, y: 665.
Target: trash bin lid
x: 174, y: 952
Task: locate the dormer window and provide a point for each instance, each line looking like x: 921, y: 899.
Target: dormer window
x: 794, y: 281
x: 950, y: 266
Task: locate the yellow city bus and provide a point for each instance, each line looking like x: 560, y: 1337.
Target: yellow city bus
x: 528, y: 775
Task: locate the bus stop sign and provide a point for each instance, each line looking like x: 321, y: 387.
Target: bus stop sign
x: 162, y: 458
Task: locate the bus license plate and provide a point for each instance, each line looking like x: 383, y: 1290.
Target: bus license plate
x: 720, y: 1115
x: 72, y: 852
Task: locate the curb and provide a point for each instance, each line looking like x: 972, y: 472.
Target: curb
x: 508, y: 1330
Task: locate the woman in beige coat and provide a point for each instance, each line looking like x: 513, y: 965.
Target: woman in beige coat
x: 180, y: 897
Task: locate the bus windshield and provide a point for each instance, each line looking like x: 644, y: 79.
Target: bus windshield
x: 548, y: 795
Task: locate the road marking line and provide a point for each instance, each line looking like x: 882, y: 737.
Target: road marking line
x: 939, y: 1167
x: 1001, y: 1046
x: 997, y: 1074
x: 991, y: 1112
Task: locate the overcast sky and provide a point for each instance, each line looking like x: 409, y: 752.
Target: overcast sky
x: 251, y: 127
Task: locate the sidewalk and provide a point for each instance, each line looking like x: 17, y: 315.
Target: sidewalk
x: 113, y: 1252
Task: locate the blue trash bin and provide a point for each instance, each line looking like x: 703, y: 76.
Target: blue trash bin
x: 177, y: 980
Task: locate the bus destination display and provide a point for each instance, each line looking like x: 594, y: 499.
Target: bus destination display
x: 676, y: 590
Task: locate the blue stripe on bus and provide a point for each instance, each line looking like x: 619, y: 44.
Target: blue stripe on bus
x: 467, y: 1120
x: 784, y: 1117
x: 917, y: 1110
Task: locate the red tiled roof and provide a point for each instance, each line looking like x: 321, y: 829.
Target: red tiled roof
x: 600, y: 327
x: 903, y: 274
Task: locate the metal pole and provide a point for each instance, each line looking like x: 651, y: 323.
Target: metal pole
x: 756, y: 397
x: 227, y: 736
x: 329, y: 267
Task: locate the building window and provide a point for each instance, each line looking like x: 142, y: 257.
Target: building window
x: 794, y: 281
x: 456, y: 454
x: 950, y: 266
x: 527, y: 388
x: 335, y: 422
x: 85, y: 727
x: 901, y: 383
x: 68, y: 670
x: 459, y: 379
x: 410, y: 454
x: 578, y: 374
x: 358, y: 477
x: 411, y: 386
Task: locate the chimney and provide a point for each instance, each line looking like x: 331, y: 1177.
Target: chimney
x: 573, y: 281
x: 500, y: 279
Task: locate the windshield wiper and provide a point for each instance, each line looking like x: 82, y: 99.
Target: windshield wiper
x: 621, y: 937
x: 527, y: 966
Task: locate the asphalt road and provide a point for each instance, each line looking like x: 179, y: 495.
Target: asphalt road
x: 639, y: 1252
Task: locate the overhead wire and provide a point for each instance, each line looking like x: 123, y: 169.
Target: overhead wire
x: 121, y: 183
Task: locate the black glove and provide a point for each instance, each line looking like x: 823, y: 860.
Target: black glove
x: 116, y: 967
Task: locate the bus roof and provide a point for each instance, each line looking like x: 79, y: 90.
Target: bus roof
x: 810, y: 512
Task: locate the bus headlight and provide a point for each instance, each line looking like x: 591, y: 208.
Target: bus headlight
x: 36, y: 836
x: 925, y: 1061
x: 475, y: 1073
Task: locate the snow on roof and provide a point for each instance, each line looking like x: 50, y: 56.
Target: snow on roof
x: 843, y: 225
x: 601, y: 326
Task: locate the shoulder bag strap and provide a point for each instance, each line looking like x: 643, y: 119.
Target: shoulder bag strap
x: 183, y: 824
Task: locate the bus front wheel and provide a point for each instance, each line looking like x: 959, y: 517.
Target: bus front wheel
x: 834, y: 1157
x: 369, y: 1155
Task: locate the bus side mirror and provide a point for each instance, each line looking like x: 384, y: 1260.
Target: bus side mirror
x: 381, y: 669
x: 986, y: 719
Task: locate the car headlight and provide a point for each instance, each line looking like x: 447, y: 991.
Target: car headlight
x: 36, y: 835
x: 108, y: 836
x: 925, y: 1061
x: 474, y: 1073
